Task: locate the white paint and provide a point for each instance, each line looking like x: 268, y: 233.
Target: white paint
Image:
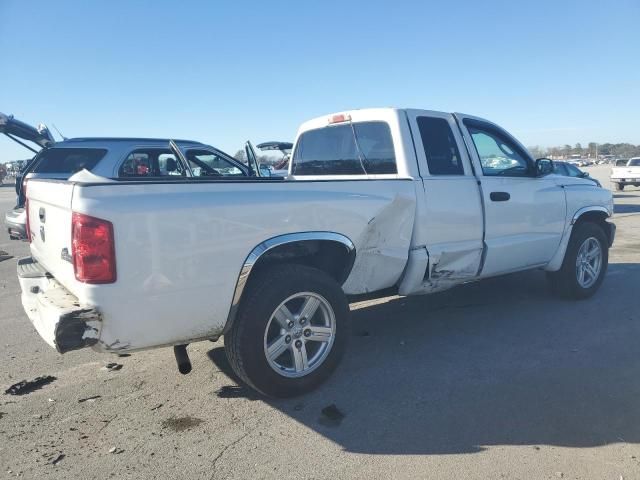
x: 180, y: 247
x: 626, y: 174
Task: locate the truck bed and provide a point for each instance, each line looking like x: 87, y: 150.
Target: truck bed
x: 180, y: 246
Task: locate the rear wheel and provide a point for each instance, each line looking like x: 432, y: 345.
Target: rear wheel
x: 584, y: 265
x: 619, y: 186
x: 290, y: 331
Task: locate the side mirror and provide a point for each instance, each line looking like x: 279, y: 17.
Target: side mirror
x: 584, y: 175
x: 544, y: 166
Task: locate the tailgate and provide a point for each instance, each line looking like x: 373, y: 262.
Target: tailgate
x: 49, y: 214
x: 625, y: 172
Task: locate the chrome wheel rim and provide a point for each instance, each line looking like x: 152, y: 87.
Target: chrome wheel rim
x: 299, y: 334
x: 589, y: 262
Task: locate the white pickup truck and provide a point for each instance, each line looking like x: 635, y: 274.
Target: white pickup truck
x: 627, y: 175
x: 415, y: 200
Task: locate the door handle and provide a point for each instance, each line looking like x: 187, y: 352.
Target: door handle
x: 499, y: 196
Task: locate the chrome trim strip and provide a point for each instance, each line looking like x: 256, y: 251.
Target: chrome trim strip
x: 267, y: 245
x: 593, y: 208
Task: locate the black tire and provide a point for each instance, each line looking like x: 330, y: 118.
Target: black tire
x: 564, y: 282
x: 619, y: 187
x: 244, y: 343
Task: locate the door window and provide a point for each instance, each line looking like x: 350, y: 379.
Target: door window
x: 498, y: 154
x: 151, y: 163
x: 560, y: 169
x: 205, y: 163
x: 573, y: 171
x: 440, y: 147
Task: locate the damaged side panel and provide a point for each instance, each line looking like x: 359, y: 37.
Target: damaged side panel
x: 383, y: 247
x: 449, y: 268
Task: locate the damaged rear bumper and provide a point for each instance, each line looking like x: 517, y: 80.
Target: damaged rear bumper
x: 55, y: 312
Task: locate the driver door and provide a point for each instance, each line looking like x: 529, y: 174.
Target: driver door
x: 524, y: 214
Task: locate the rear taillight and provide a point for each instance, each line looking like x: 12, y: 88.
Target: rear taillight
x: 93, y: 249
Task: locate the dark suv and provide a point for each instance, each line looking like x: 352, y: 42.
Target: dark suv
x: 125, y: 159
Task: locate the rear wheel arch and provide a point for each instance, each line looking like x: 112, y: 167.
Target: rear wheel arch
x: 330, y: 252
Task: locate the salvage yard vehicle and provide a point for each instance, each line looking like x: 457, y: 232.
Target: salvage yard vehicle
x: 20, y: 133
x: 414, y: 200
x: 281, y: 167
x: 629, y: 174
x: 570, y: 170
x: 116, y: 158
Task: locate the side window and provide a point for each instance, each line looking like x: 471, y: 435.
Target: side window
x: 151, y: 163
x: 498, y: 154
x: 440, y: 148
x: 573, y: 171
x: 169, y: 165
x: 560, y: 169
x: 204, y: 163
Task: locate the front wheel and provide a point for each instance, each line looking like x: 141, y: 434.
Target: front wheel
x: 290, y: 331
x: 619, y: 187
x: 584, y: 265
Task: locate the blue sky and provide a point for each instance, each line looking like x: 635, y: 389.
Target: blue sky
x: 551, y: 72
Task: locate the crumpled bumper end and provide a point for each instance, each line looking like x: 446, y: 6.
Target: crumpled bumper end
x: 55, y: 312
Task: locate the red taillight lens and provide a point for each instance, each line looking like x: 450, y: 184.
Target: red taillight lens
x: 93, y: 249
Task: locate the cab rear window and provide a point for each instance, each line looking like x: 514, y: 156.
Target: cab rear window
x: 68, y: 160
x: 346, y: 149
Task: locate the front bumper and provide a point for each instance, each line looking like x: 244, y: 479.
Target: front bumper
x: 15, y: 221
x: 55, y: 312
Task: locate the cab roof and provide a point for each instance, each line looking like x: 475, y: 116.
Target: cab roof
x: 136, y: 140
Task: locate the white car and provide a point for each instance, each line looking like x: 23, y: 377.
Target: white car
x: 628, y: 174
x: 374, y: 199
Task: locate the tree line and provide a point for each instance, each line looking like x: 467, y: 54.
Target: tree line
x: 619, y: 150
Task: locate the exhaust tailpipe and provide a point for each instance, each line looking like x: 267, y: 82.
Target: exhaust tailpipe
x: 182, y: 358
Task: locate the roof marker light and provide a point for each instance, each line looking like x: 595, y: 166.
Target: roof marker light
x: 342, y: 117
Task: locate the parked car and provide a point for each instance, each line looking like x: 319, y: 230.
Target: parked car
x: 414, y: 200
x: 629, y: 174
x: 23, y: 134
x: 116, y: 158
x: 281, y: 168
x: 570, y: 170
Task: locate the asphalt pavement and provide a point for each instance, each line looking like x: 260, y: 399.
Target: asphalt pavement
x: 496, y: 379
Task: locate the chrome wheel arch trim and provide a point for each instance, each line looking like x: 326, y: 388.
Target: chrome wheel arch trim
x: 593, y: 208
x: 269, y: 244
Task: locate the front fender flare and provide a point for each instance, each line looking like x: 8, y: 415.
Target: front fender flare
x: 556, y: 262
